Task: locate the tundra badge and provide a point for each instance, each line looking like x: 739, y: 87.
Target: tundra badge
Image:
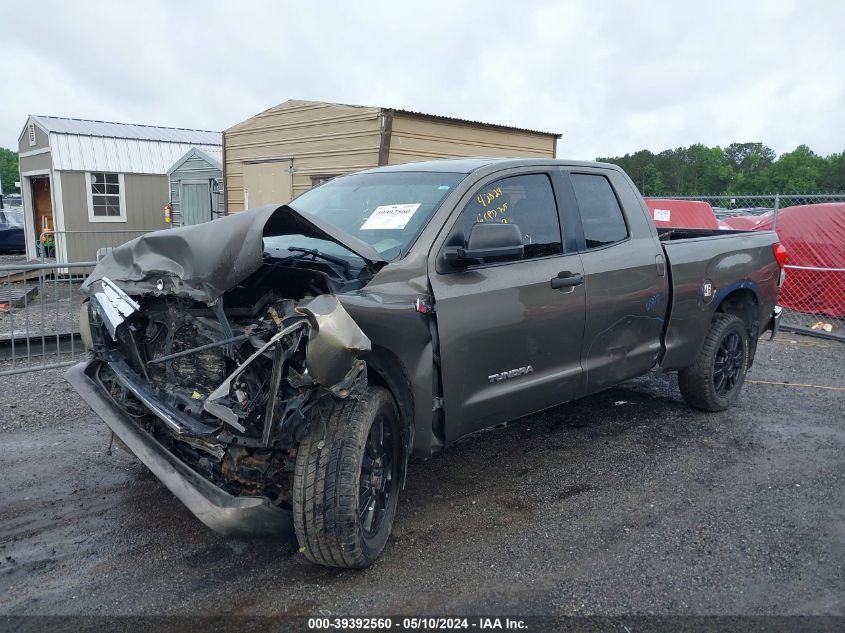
x: 513, y: 373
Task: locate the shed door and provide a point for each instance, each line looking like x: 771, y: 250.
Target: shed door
x: 267, y: 183
x: 42, y: 205
x: 195, y: 203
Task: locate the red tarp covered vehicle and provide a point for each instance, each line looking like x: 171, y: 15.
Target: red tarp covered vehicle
x: 681, y: 214
x: 742, y: 222
x: 814, y: 237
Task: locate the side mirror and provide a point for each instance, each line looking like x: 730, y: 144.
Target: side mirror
x: 487, y: 241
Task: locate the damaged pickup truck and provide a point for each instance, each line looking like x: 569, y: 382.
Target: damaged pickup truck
x: 276, y: 368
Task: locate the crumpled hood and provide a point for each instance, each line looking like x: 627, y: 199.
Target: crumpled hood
x: 203, y: 261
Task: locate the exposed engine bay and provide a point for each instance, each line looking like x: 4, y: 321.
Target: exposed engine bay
x: 230, y: 386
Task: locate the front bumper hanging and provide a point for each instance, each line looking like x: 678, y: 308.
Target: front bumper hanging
x: 226, y: 514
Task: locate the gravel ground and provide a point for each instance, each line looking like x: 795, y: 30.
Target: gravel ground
x: 35, y: 401
x: 12, y: 258
x: 625, y: 502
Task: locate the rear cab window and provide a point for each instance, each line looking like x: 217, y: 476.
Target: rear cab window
x: 526, y: 201
x: 601, y: 216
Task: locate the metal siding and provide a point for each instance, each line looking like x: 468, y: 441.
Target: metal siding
x: 82, y: 127
x: 416, y: 139
x: 328, y: 139
x: 88, y: 153
x: 322, y: 138
x: 472, y: 122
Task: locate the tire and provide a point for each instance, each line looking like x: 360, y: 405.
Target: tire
x: 345, y: 487
x: 714, y: 381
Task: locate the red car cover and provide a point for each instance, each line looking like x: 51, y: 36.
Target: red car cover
x: 681, y: 214
x: 814, y: 237
x: 742, y: 222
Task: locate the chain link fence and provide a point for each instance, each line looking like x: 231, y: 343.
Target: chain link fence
x: 812, y: 228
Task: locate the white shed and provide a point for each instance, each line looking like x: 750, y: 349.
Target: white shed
x: 96, y: 183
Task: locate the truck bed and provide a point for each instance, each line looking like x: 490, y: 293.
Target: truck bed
x: 705, y: 266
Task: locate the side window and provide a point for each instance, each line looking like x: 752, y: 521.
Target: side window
x: 528, y: 202
x: 600, y: 213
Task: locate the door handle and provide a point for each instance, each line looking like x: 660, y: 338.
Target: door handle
x: 566, y: 279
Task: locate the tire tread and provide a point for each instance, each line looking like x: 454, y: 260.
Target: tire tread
x: 326, y: 479
x: 696, y: 381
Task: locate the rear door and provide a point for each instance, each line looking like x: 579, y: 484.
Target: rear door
x: 510, y: 344
x: 627, y: 289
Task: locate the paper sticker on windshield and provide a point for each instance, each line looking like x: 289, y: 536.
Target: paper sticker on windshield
x: 662, y: 215
x: 390, y: 216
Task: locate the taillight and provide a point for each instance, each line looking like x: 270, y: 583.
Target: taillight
x: 780, y: 254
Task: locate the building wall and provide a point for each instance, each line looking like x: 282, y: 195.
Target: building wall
x: 145, y: 197
x: 37, y: 162
x: 195, y: 168
x: 41, y: 140
x: 421, y: 138
x: 322, y: 138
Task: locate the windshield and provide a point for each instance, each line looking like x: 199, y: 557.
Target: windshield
x: 387, y: 210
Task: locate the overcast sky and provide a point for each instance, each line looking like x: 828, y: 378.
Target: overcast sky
x: 612, y: 77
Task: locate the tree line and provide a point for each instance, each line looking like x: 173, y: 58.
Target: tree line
x: 739, y: 168
x: 8, y: 170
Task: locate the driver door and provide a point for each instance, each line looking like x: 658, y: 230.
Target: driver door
x: 510, y: 343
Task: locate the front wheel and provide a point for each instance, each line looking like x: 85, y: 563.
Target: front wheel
x: 346, y: 482
x: 714, y: 381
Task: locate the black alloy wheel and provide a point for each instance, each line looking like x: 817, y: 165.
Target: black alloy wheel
x: 377, y: 483
x: 713, y: 382
x: 730, y: 358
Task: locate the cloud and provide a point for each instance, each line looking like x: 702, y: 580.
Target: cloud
x: 611, y: 77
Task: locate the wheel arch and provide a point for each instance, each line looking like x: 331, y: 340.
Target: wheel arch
x: 743, y: 302
x: 386, y: 370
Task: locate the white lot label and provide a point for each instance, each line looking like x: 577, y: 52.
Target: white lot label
x: 662, y: 215
x: 391, y: 216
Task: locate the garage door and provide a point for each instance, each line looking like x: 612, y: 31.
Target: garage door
x: 267, y: 183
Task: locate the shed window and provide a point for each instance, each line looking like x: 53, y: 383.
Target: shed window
x: 105, y: 197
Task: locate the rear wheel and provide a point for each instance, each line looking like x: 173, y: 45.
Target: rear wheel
x: 714, y: 381
x: 346, y: 483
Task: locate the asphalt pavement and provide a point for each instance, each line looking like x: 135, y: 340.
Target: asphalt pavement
x: 627, y: 502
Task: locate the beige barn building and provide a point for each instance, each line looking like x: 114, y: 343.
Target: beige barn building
x: 284, y: 151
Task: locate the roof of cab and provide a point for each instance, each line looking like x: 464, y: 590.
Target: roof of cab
x: 469, y: 165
